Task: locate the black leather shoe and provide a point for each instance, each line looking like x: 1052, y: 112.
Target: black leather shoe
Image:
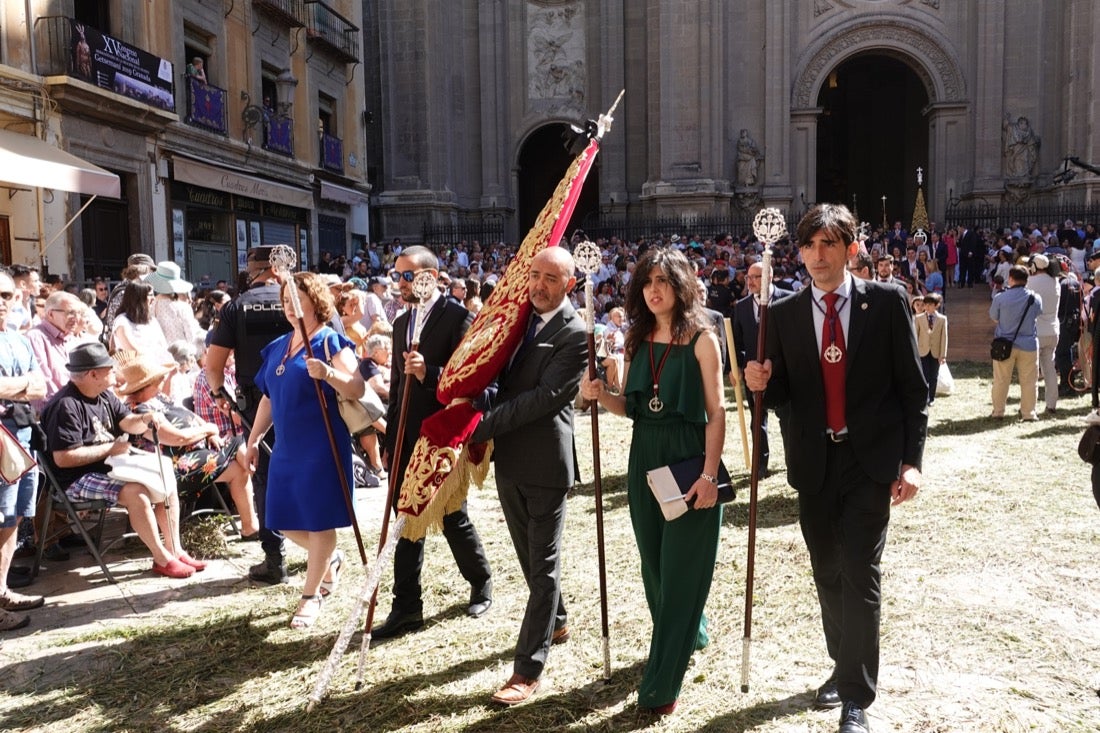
x: 853, y: 719
x: 827, y: 696
x: 270, y: 571
x: 56, y: 552
x: 397, y: 624
x: 19, y: 580
x: 481, y: 600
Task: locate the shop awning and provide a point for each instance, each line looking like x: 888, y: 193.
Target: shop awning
x: 342, y: 195
x: 26, y: 160
x: 236, y: 182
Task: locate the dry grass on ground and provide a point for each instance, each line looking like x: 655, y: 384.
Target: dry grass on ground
x: 991, y: 620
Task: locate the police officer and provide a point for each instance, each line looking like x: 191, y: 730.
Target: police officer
x: 248, y: 324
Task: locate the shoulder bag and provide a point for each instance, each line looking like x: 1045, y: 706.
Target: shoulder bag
x: 1001, y: 348
x: 358, y: 415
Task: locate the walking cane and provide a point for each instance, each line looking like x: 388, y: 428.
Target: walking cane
x: 164, y: 480
x: 738, y: 391
x: 283, y: 259
x: 588, y: 258
x: 769, y: 227
x: 422, y: 286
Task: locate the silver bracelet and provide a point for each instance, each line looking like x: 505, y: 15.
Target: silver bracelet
x: 706, y: 476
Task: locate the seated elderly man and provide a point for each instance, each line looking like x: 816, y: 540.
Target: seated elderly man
x: 86, y: 424
x: 52, y: 337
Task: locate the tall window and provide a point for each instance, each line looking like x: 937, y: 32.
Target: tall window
x: 94, y: 13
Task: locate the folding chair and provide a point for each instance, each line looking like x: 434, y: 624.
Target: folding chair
x: 93, y: 541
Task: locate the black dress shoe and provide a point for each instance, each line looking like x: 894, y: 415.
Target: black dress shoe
x: 853, y: 719
x: 827, y: 696
x: 397, y: 624
x: 481, y: 600
x: 270, y: 571
x: 56, y: 553
x: 19, y: 580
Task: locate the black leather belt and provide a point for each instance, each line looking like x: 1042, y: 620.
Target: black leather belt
x: 837, y: 437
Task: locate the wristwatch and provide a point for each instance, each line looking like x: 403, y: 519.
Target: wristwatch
x: 708, y: 477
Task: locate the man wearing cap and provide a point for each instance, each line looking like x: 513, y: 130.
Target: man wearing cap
x: 20, y: 382
x: 248, y: 324
x: 86, y: 425
x: 1015, y: 311
x: 1047, y: 327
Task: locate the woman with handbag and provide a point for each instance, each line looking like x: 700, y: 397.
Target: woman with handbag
x: 673, y: 392
x: 304, y: 493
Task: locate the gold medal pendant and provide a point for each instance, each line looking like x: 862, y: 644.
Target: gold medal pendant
x: 833, y: 354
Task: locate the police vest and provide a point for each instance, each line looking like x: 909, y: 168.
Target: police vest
x: 259, y: 321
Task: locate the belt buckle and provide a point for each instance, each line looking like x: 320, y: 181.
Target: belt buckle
x: 838, y: 438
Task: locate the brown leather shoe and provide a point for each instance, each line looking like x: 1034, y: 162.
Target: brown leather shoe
x: 518, y: 689
x: 560, y: 635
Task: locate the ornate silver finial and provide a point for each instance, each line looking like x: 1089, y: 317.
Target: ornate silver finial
x: 423, y: 285
x: 769, y: 226
x: 283, y: 258
x: 588, y: 257
x: 920, y: 237
x: 920, y: 175
x: 863, y: 233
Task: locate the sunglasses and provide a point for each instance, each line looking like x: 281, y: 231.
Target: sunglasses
x: 7, y: 295
x: 406, y: 275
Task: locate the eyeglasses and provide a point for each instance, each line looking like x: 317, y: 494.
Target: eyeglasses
x: 8, y: 295
x: 406, y: 275
x: 68, y: 314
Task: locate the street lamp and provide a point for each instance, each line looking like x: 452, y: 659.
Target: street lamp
x: 284, y: 90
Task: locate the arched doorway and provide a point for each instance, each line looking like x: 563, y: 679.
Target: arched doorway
x: 543, y: 160
x: 872, y: 136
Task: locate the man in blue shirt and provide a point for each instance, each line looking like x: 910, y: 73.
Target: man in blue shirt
x: 1015, y: 311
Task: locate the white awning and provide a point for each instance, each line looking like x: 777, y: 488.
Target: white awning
x: 342, y: 195
x: 26, y: 160
x: 236, y: 182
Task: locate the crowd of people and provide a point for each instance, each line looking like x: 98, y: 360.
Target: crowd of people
x: 224, y: 381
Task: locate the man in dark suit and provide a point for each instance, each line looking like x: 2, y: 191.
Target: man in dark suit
x: 446, y: 323
x: 971, y: 257
x: 844, y: 355
x: 530, y: 420
x: 746, y: 330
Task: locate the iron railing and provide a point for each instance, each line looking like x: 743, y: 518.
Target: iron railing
x: 332, y: 31
x: 486, y: 231
x: 291, y: 13
x: 632, y: 228
x: 980, y: 214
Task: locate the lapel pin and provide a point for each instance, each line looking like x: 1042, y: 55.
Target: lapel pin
x: 863, y: 306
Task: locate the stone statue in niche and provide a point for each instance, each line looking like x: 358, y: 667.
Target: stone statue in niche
x: 1021, y: 148
x: 749, y: 157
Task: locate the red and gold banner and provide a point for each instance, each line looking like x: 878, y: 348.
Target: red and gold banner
x: 443, y: 463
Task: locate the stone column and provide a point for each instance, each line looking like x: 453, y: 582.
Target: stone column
x: 947, y: 144
x: 803, y: 155
x: 989, y: 90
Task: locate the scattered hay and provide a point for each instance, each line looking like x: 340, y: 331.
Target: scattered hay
x: 204, y: 537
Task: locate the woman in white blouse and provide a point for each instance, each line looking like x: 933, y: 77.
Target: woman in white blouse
x: 135, y: 329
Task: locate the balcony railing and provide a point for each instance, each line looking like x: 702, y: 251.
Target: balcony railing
x: 206, y: 106
x: 291, y: 13
x: 332, y: 153
x: 64, y: 47
x: 279, y: 135
x: 330, y: 30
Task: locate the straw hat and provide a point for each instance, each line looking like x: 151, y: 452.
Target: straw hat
x: 166, y: 279
x: 135, y: 372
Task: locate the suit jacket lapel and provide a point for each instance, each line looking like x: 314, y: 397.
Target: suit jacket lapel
x: 434, y: 314
x: 857, y: 316
x: 547, y: 332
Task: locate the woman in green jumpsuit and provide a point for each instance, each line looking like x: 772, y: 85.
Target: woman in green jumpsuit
x: 674, y: 395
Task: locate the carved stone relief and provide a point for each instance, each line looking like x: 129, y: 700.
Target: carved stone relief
x: 894, y: 38
x: 555, y: 50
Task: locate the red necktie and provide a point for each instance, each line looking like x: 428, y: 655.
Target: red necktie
x: 833, y: 365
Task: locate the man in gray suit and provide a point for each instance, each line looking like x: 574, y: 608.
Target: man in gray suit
x: 530, y: 420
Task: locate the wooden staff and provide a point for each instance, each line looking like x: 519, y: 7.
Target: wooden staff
x: 423, y: 285
x: 738, y: 391
x: 769, y: 227
x: 285, y: 261
x: 588, y: 258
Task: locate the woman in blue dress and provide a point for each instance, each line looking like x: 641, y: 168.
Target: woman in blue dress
x: 305, y: 498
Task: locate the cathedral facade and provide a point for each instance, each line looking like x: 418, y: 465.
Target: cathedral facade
x: 728, y: 106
